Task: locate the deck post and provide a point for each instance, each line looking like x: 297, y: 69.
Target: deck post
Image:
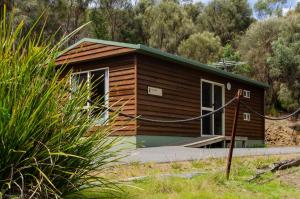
x: 233, y: 132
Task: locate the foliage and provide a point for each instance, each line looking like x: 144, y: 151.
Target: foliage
x: 285, y: 64
x: 271, y: 47
x: 193, y: 10
x: 203, y: 47
x: 139, y: 11
x: 64, y: 16
x: 116, y: 15
x: 172, y: 27
x: 297, y: 9
x: 226, y: 18
x: 268, y: 8
x: 100, y: 26
x: 229, y: 53
x: 234, y: 58
x: 45, y: 151
x: 256, y: 46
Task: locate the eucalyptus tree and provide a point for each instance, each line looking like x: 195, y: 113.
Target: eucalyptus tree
x: 285, y: 63
x: 272, y: 48
x: 226, y: 18
x: 61, y: 16
x: 193, y: 10
x: 113, y: 16
x: 139, y: 17
x: 203, y: 47
x: 269, y: 8
x: 255, y: 48
x: 166, y: 25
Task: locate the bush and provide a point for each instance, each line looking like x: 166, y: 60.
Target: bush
x: 44, y: 148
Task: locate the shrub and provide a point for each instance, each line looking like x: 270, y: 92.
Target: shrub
x: 44, y: 148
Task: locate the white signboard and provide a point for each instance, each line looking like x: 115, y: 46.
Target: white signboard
x: 154, y: 91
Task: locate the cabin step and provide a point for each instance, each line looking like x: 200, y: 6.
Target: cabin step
x: 201, y: 141
x: 204, y: 141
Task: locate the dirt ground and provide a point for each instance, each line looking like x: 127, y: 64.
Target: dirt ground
x: 291, y: 177
x: 282, y: 133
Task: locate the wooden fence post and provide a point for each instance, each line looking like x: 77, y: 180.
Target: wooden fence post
x: 233, y: 132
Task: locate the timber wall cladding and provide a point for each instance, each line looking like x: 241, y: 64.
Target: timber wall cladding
x: 181, y: 99
x: 121, y: 88
x: 91, y: 51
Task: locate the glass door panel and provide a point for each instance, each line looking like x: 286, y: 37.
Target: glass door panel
x: 217, y: 97
x: 218, y: 116
x: 218, y: 123
x: 207, y: 95
x: 207, y: 124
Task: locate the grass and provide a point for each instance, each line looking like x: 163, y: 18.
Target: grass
x: 211, y: 184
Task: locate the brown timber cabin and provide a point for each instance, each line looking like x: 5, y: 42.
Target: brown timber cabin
x: 159, y: 85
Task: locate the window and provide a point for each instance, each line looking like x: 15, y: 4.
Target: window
x: 246, y: 93
x: 97, y: 82
x: 247, y: 116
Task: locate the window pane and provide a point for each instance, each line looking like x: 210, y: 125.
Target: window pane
x: 77, y: 80
x: 218, y: 123
x: 98, y: 85
x: 207, y: 124
x: 206, y: 94
x: 98, y: 89
x: 217, y: 96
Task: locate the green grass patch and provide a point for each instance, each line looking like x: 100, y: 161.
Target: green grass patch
x: 212, y: 184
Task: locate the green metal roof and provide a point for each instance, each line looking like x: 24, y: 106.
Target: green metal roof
x: 174, y: 58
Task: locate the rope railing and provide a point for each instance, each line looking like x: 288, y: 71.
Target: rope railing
x: 141, y: 118
x: 145, y: 119
x: 268, y: 117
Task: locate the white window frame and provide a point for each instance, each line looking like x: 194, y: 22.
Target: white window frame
x: 106, y: 88
x: 212, y: 108
x: 246, y: 94
x: 247, y: 117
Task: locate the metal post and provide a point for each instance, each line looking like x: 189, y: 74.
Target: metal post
x: 233, y: 132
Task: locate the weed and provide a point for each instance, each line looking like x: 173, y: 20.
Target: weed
x: 176, y: 166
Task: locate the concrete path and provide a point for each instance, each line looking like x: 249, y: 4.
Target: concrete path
x: 178, y: 153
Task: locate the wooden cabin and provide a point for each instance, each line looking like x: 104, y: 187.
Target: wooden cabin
x: 158, y: 85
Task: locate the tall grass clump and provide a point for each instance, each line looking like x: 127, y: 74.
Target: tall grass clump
x: 46, y: 150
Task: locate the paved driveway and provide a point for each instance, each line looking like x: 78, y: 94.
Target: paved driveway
x: 178, y: 153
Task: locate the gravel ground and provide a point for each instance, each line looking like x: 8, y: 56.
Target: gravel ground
x: 178, y: 153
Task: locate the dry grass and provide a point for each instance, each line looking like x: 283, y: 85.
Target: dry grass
x: 134, y: 169
x: 209, y: 185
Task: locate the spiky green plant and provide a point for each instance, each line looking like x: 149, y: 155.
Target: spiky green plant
x: 46, y: 150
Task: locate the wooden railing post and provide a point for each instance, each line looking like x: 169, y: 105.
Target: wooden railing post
x: 233, y: 132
